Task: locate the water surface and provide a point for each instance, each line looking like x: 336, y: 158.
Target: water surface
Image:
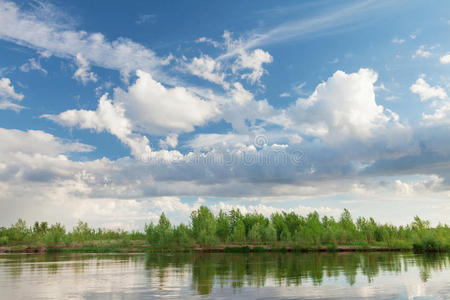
x: 224, y: 276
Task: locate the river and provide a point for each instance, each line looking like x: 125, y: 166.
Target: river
x: 374, y: 275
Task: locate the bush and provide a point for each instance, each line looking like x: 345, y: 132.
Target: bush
x: 429, y: 244
x: 4, y: 240
x: 244, y: 249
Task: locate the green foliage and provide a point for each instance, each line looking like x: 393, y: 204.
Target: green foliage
x: 223, y: 227
x: 82, y: 232
x: 287, y: 231
x: 54, y: 235
x: 160, y: 235
x: 255, y: 234
x: 204, y: 226
x: 182, y: 236
x: 243, y: 249
x: 239, y: 232
x: 269, y: 234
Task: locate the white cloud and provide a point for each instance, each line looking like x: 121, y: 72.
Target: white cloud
x: 240, y: 95
x: 285, y: 95
x: 7, y: 90
x: 298, y: 89
x: 207, y: 68
x: 170, y: 141
x: 425, y: 91
x: 82, y: 73
x: 108, y: 117
x: 8, y: 95
x: 254, y: 61
x: 208, y: 41
x: 240, y: 62
x: 342, y: 107
x: 8, y: 105
x: 398, y: 40
x: 36, y: 141
x: 147, y: 107
x: 33, y: 64
x: 415, y: 187
x: 445, y: 59
x: 295, y: 139
x: 268, y: 210
x: 207, y: 141
x: 38, y: 31
x: 155, y: 109
x: 38, y: 179
x: 331, y: 18
x: 421, y: 52
x: 441, y: 115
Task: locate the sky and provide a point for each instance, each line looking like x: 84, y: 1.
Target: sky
x: 112, y: 112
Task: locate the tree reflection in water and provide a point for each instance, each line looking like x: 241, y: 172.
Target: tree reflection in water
x: 202, y: 272
x: 255, y: 269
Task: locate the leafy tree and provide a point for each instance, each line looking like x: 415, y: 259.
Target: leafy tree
x: 182, y: 235
x: 204, y: 226
x: 277, y: 220
x: 270, y: 234
x: 255, y: 234
x: 239, y: 232
x: 223, y: 227
x: 285, y: 235
x: 82, y: 232
x: 54, y: 235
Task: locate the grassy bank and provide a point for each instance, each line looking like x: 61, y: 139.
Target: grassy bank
x: 87, y: 248
x: 232, y: 232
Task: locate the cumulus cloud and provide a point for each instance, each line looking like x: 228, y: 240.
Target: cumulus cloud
x: 342, y: 107
x: 170, y: 141
x: 207, y: 68
x: 108, y: 117
x: 254, y: 61
x: 421, y: 52
x: 156, y: 109
x: 445, y: 59
x: 37, y: 172
x: 82, y: 73
x: 425, y: 91
x: 441, y: 115
x: 146, y: 107
x: 8, y: 95
x: 243, y: 63
x: 37, y: 141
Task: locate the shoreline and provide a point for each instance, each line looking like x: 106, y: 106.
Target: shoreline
x: 42, y: 249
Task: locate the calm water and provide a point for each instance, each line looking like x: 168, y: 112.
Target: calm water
x: 224, y: 276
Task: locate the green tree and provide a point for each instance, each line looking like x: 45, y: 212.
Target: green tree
x: 204, y: 226
x: 270, y: 234
x: 54, y: 235
x: 223, y: 227
x: 239, y: 232
x: 82, y: 232
x: 255, y: 234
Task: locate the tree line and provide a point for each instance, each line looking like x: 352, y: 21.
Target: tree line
x: 281, y: 229
x: 290, y: 229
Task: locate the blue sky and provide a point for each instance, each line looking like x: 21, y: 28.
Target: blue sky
x: 114, y: 115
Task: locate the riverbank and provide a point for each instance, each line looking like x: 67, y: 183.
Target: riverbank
x: 231, y: 232
x: 145, y: 248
